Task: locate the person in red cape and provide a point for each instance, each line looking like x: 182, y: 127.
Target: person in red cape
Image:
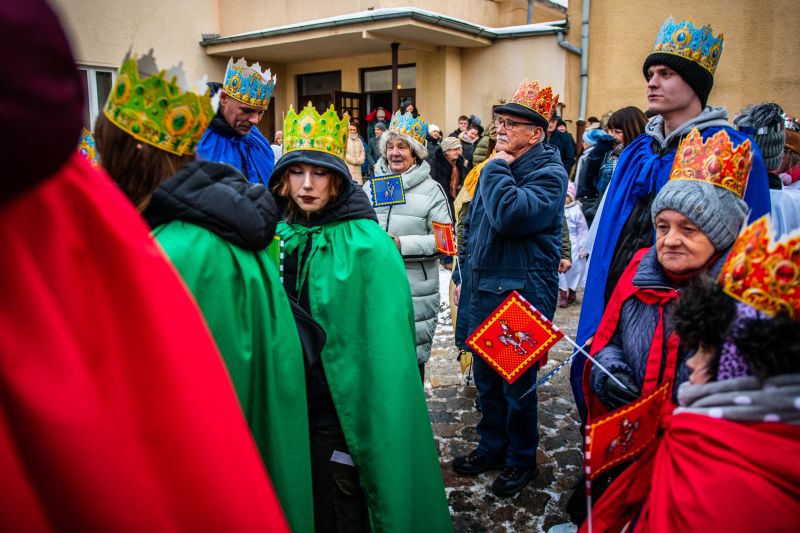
x: 726, y: 460
x: 116, y: 412
x: 697, y: 216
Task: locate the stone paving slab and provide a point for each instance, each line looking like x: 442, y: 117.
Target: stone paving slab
x: 451, y: 402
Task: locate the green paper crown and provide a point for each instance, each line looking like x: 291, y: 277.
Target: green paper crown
x: 156, y: 110
x: 311, y: 131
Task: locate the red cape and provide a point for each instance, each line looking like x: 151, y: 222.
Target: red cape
x: 116, y: 412
x: 708, y: 474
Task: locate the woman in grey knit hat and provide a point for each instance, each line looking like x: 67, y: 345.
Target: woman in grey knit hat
x: 697, y: 216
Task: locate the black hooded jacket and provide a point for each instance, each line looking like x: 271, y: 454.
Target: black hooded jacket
x: 351, y: 204
x: 217, y: 197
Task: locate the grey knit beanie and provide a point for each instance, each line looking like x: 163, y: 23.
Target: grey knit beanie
x: 448, y: 143
x: 716, y: 211
x: 764, y: 123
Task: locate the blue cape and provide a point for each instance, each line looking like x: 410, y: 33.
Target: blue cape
x: 249, y: 153
x: 639, y: 172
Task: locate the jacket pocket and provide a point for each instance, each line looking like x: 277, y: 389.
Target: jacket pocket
x: 501, y: 284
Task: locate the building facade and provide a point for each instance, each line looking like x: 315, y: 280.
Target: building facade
x: 454, y: 57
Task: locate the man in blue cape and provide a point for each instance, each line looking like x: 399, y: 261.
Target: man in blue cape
x: 680, y: 73
x: 233, y: 136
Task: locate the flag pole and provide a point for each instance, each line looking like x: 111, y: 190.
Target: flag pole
x: 549, y: 375
x: 595, y: 362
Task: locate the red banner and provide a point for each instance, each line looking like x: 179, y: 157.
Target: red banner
x: 445, y: 241
x: 514, y: 337
x: 623, y: 433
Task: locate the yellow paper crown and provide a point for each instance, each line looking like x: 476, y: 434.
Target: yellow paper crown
x: 763, y: 273
x: 538, y: 99
x: 309, y: 130
x: 156, y: 110
x: 714, y: 161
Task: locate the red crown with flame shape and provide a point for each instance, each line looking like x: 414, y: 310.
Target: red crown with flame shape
x: 714, y: 161
x: 538, y: 99
x: 763, y: 273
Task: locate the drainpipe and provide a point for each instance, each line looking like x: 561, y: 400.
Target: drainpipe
x: 530, y: 11
x: 584, y: 58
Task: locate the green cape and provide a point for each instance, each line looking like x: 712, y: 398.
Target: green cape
x: 247, y: 310
x: 359, y: 293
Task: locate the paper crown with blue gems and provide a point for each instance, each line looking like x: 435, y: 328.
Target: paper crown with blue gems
x: 406, y: 124
x: 248, y: 83
x: 308, y: 130
x: 87, y: 147
x: 157, y: 107
x: 683, y: 39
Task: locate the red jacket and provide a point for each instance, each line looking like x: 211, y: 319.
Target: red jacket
x: 708, y: 474
x: 116, y: 413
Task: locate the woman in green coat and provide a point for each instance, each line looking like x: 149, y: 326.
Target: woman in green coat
x: 374, y: 459
x: 215, y: 228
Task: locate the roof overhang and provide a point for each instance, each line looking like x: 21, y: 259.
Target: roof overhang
x: 366, y: 32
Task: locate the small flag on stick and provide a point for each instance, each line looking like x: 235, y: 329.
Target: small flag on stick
x: 387, y: 190
x: 623, y: 433
x: 445, y: 241
x: 514, y: 337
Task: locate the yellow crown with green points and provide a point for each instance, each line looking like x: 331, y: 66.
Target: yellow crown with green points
x: 309, y: 130
x: 158, y: 111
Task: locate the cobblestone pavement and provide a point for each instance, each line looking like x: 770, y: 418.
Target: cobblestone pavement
x: 451, y: 402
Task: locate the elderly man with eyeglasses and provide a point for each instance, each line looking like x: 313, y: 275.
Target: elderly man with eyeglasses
x: 512, y: 241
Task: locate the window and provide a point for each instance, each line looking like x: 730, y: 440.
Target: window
x: 318, y: 89
x: 376, y: 80
x: 97, y: 84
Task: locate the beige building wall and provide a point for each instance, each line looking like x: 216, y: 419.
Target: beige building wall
x: 494, y: 73
x: 102, y: 31
x: 240, y: 16
x: 760, y: 60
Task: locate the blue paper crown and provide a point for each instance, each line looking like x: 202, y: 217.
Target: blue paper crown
x: 406, y: 124
x: 695, y: 44
x: 248, y: 84
x: 87, y: 147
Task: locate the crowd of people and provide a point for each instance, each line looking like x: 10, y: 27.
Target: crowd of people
x: 205, y: 330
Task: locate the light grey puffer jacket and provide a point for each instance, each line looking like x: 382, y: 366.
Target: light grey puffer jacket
x: 412, y: 222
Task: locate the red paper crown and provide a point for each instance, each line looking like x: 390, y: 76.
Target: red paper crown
x: 763, y: 273
x: 714, y: 161
x: 538, y: 99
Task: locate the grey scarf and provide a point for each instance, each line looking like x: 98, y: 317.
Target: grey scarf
x: 744, y: 399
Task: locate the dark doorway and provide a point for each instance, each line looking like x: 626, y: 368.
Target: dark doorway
x: 376, y: 84
x: 318, y: 88
x: 350, y: 103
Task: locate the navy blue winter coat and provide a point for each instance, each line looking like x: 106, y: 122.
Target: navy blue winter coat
x: 512, y: 237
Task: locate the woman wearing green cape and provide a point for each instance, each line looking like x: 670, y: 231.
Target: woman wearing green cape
x: 215, y: 228
x: 374, y: 461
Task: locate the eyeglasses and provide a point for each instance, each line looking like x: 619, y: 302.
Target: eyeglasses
x: 510, y: 124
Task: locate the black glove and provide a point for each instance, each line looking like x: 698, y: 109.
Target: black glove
x: 616, y: 396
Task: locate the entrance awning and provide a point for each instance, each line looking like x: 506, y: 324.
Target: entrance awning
x: 365, y: 32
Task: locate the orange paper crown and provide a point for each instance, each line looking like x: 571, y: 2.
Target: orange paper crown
x: 763, y: 273
x: 538, y: 99
x: 714, y: 161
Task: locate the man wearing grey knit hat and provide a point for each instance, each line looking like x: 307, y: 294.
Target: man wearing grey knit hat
x: 764, y: 124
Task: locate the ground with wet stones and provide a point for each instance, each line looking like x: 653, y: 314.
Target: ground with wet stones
x: 451, y: 402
